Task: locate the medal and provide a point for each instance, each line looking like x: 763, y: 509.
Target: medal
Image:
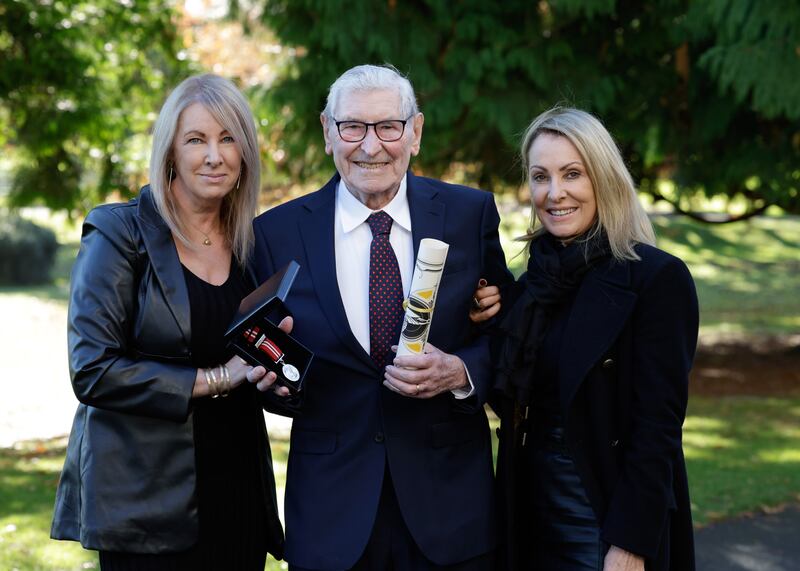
x: 268, y: 346
x: 291, y: 373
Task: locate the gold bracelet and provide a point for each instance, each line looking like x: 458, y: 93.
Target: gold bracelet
x: 224, y: 381
x: 214, y: 382
x: 208, y: 382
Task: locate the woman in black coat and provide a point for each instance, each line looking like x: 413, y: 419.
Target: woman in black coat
x: 159, y: 473
x: 593, y: 364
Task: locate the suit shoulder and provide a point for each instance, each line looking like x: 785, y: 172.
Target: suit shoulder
x: 656, y: 257
x: 450, y: 187
x: 281, y: 211
x: 655, y: 263
x: 465, y: 195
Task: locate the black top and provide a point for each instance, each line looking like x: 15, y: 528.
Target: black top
x: 230, y: 502
x: 545, y: 398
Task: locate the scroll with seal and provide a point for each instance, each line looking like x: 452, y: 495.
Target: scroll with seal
x: 422, y: 296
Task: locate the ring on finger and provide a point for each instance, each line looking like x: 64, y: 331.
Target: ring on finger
x: 475, y: 303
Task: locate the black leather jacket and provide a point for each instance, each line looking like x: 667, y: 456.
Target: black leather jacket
x: 128, y: 482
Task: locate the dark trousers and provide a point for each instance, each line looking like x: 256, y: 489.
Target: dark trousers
x: 392, y: 548
x: 564, y: 534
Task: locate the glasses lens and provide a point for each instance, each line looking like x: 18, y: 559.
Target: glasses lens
x: 389, y: 130
x: 352, y: 131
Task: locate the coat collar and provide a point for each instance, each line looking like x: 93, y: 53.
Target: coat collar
x: 602, y: 306
x: 427, y: 221
x: 165, y: 262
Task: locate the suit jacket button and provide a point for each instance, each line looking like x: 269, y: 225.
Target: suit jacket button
x: 379, y: 437
x: 608, y: 363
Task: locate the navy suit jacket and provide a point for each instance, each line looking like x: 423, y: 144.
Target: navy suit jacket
x: 351, y: 427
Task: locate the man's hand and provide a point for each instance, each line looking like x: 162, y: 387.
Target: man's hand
x: 426, y: 375
x: 618, y: 559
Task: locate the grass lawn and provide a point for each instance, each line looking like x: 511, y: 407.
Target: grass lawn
x: 28, y: 478
x: 742, y: 454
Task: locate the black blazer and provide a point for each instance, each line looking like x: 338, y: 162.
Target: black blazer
x: 623, y: 379
x: 128, y: 482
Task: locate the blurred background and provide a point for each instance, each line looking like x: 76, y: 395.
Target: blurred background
x: 703, y: 98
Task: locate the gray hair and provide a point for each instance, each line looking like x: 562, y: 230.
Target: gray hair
x: 619, y: 211
x: 230, y: 109
x: 372, y: 78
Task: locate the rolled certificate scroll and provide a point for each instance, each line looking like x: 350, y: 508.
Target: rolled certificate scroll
x: 422, y: 296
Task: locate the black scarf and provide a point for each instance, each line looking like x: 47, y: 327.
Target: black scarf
x: 554, y: 272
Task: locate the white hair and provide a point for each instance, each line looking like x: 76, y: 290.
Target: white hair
x: 372, y: 78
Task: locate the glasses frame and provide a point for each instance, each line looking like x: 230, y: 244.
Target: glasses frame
x: 373, y: 125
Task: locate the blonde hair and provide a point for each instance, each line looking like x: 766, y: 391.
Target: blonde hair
x: 230, y: 109
x: 619, y: 212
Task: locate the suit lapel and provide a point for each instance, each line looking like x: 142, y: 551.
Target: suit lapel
x: 427, y: 213
x: 317, y: 233
x: 165, y: 262
x: 602, y: 306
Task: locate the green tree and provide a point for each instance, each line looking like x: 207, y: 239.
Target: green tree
x: 79, y: 86
x: 705, y: 95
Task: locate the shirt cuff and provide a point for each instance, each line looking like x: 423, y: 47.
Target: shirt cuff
x: 461, y: 394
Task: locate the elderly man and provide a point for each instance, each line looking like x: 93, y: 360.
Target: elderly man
x: 390, y: 463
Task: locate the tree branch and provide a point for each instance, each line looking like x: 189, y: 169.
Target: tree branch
x: 714, y: 219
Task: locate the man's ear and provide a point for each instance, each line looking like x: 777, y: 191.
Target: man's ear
x: 326, y: 133
x: 418, y: 121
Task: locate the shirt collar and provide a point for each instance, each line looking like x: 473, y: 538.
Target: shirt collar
x: 352, y: 212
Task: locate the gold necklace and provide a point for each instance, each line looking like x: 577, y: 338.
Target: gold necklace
x: 207, y: 240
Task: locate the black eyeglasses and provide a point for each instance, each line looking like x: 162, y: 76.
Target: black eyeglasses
x: 356, y: 131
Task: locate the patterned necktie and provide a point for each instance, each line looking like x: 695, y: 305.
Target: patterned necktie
x: 385, y: 291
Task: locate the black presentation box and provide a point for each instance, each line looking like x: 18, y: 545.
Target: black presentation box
x: 254, y: 336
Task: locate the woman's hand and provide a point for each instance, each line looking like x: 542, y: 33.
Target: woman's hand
x: 485, y: 302
x: 240, y: 371
x: 617, y: 559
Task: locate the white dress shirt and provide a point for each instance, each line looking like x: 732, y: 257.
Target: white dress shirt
x: 353, y: 237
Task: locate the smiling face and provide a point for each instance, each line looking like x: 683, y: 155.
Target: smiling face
x: 372, y: 169
x: 207, y: 159
x: 561, y: 190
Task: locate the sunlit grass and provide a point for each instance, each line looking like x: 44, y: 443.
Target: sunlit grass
x: 742, y: 454
x: 28, y: 478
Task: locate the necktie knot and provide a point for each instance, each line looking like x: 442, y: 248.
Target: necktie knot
x: 379, y: 223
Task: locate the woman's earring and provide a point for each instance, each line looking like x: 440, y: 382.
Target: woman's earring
x: 239, y: 179
x: 169, y: 184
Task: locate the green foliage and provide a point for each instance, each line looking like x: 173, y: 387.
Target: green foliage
x: 27, y: 251
x: 705, y: 93
x: 79, y: 84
